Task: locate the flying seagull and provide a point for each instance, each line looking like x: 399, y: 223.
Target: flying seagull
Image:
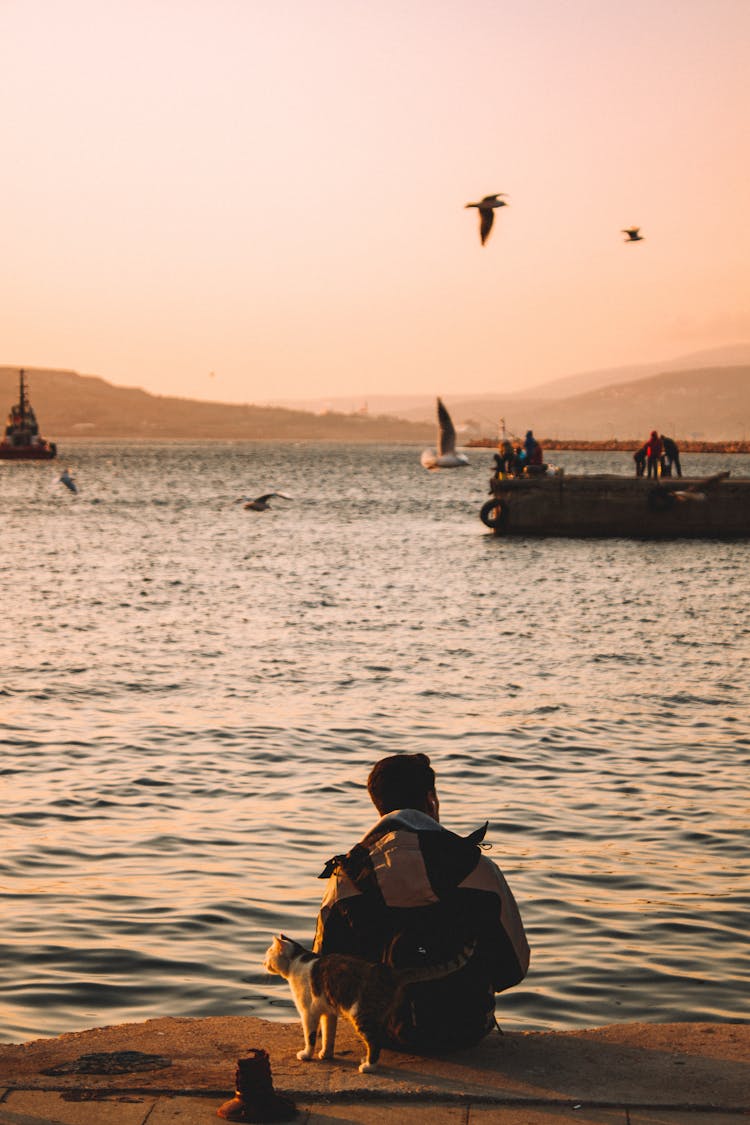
x: 487, y: 212
x: 633, y: 235
x: 446, y: 456
x: 66, y: 479
x: 699, y: 489
x: 260, y: 503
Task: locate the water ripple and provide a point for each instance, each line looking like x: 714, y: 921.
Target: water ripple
x: 189, y: 738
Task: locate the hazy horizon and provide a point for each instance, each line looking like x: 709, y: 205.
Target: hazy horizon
x: 729, y: 355
x: 241, y: 203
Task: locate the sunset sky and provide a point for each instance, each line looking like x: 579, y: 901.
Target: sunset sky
x: 274, y: 192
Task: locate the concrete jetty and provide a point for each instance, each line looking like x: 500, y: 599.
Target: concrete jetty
x: 626, y: 1074
x: 606, y: 505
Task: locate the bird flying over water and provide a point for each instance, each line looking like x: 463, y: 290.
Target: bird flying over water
x: 633, y: 235
x: 66, y: 479
x: 699, y: 490
x: 260, y: 503
x: 486, y: 208
x: 445, y: 457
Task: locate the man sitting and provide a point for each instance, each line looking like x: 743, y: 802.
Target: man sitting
x: 413, y: 893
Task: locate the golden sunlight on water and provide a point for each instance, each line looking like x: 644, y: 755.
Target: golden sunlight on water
x: 188, y: 735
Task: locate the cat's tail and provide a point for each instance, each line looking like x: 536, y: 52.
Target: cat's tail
x: 434, y: 972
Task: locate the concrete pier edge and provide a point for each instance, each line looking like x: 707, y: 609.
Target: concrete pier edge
x: 621, y: 1073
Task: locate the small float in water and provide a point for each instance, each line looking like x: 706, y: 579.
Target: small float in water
x: 607, y: 505
x: 21, y: 440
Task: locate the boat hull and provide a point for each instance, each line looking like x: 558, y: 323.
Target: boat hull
x: 607, y: 506
x: 27, y: 453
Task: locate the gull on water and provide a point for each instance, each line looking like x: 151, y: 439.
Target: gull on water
x: 445, y: 457
x: 633, y: 235
x: 260, y: 503
x: 486, y: 208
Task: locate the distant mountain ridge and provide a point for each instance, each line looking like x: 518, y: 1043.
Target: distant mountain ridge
x: 487, y: 409
x: 731, y: 355
x: 709, y: 403
x: 71, y: 405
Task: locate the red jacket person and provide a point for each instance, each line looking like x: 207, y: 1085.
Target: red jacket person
x: 413, y: 893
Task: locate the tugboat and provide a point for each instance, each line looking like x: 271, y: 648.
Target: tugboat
x: 21, y: 441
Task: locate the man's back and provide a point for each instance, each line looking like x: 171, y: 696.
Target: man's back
x: 412, y: 893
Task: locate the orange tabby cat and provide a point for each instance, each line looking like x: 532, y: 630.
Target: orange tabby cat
x: 327, y: 985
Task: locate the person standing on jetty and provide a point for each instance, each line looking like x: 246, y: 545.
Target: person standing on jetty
x: 533, y: 449
x: 671, y: 456
x: 413, y: 893
x: 653, y: 455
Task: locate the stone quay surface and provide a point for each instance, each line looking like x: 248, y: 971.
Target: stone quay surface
x: 623, y: 1074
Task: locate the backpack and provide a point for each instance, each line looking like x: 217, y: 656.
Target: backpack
x: 449, y: 1012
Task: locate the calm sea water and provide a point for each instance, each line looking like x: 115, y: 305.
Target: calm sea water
x: 192, y: 696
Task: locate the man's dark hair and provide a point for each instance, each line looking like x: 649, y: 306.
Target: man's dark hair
x: 401, y: 782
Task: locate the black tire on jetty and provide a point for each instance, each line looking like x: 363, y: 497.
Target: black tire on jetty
x: 495, y: 515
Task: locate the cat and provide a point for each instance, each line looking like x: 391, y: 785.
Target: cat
x: 327, y: 985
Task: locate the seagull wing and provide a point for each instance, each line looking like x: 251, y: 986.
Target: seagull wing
x: 446, y: 432
x: 486, y: 219
x: 282, y: 495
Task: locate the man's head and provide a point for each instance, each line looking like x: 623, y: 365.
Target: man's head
x: 403, y: 781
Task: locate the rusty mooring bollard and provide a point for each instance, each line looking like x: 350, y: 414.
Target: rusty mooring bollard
x: 254, y: 1097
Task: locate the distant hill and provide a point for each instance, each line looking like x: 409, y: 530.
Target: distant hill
x: 709, y: 403
x: 490, y: 407
x: 72, y: 405
x: 731, y: 355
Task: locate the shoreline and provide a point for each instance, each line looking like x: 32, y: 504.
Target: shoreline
x: 608, y: 445
x: 617, y: 445
x: 687, y: 1068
